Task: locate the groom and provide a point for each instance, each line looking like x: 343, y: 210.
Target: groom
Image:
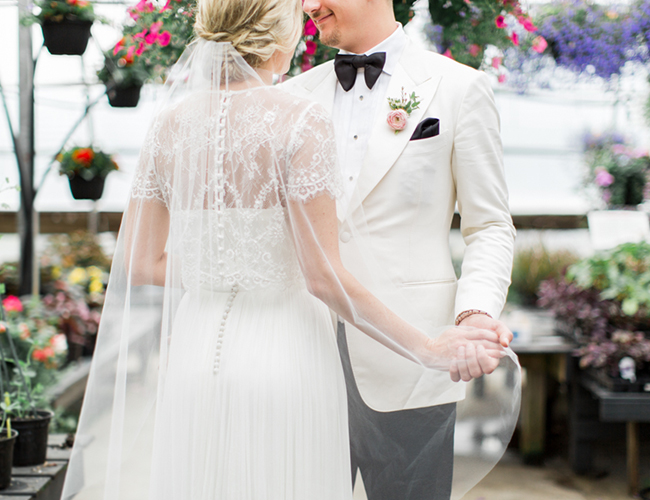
x: 405, y: 186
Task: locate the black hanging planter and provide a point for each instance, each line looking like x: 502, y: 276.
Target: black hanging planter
x: 31, y: 445
x: 68, y: 37
x: 6, y: 456
x: 86, y: 190
x: 123, y: 97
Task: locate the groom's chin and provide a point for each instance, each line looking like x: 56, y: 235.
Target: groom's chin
x: 331, y: 38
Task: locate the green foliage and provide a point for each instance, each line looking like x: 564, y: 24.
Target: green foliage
x: 57, y: 11
x: 408, y: 104
x: 86, y: 163
x: 621, y: 274
x: 403, y: 12
x: 532, y: 266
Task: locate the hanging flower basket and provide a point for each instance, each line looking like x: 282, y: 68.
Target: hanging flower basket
x: 6, y: 457
x: 86, y: 190
x: 68, y: 37
x: 123, y: 97
x: 31, y: 445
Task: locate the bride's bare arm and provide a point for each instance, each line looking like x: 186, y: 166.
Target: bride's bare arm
x: 147, y: 228
x: 466, y: 352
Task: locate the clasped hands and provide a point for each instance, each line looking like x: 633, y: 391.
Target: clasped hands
x: 470, y: 350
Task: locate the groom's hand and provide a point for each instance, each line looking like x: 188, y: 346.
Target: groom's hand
x: 487, y: 323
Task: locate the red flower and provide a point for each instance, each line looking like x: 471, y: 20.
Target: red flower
x: 150, y: 39
x: 83, y: 156
x: 311, y: 47
x: 448, y: 54
x: 12, y: 304
x: 129, y: 55
x: 310, y: 28
x: 140, y: 49
x: 502, y: 78
x: 474, y: 50
x: 164, y: 38
x: 500, y: 21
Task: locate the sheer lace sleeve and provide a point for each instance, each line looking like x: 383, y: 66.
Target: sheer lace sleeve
x: 146, y: 183
x: 313, y: 167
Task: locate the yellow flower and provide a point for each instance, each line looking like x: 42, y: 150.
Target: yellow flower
x: 94, y: 272
x: 95, y: 286
x: 56, y: 272
x: 78, y: 275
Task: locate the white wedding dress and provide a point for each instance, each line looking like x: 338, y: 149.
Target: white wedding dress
x: 224, y: 382
x: 253, y: 401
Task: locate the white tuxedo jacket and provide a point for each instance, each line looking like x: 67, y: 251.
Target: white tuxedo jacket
x: 407, y: 192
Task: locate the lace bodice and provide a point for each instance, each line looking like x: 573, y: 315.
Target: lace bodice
x: 225, y: 168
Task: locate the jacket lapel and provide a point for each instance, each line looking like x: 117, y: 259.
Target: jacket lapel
x: 384, y: 146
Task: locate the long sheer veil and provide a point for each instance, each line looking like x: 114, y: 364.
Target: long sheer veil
x: 217, y: 213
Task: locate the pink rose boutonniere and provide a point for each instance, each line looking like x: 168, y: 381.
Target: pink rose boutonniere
x: 400, y: 110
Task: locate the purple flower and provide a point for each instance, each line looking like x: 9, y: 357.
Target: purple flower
x: 603, y: 177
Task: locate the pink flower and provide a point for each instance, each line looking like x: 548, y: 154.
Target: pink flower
x: 607, y: 195
x: 150, y: 39
x: 474, y: 50
x: 310, y: 28
x: 527, y: 24
x: 164, y: 38
x: 639, y: 153
x: 496, y: 62
x: 619, y: 149
x: 448, y: 54
x: 603, y: 177
x: 118, y: 46
x: 502, y: 78
x: 140, y: 49
x: 12, y: 304
x: 515, y: 38
x: 59, y: 343
x: 306, y: 66
x: 539, y: 44
x: 24, y: 331
x: 500, y: 21
x: 166, y: 6
x: 141, y: 35
x: 155, y: 27
x: 397, y: 119
x: 129, y: 54
x: 311, y: 47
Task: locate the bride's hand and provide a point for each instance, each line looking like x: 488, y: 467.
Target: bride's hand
x: 465, y: 352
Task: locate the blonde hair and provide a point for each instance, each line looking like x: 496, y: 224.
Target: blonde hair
x: 255, y: 28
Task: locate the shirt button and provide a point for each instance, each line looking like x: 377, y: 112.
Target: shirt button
x: 345, y: 237
x: 351, y: 178
x: 356, y: 137
x: 361, y: 98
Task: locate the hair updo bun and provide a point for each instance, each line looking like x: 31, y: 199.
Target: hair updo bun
x: 255, y: 28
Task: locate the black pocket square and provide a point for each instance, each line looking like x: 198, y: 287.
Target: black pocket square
x: 429, y: 127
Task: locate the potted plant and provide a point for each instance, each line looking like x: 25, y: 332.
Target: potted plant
x: 86, y: 169
x: 65, y: 23
x: 123, y: 76
x: 30, y: 351
x: 603, y: 303
x: 7, y: 441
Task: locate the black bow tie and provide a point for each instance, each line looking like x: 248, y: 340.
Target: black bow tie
x: 346, y: 66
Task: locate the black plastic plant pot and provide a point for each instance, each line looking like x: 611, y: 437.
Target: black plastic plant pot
x: 31, y: 445
x: 123, y: 97
x: 66, y: 37
x: 6, y: 456
x: 82, y: 189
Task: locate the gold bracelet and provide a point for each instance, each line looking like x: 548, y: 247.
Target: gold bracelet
x: 468, y: 313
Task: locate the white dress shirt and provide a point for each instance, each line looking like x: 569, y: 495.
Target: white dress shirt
x: 354, y: 112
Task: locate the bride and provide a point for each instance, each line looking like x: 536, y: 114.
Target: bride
x: 228, y: 384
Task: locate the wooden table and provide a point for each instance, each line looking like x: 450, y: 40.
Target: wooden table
x: 628, y: 407
x: 543, y: 355
x: 40, y: 482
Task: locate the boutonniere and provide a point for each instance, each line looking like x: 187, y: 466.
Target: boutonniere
x: 400, y: 110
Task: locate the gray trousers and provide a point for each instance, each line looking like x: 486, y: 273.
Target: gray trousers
x: 402, y: 455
